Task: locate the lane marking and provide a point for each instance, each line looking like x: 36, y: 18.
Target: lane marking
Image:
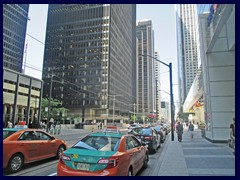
x: 53, y: 174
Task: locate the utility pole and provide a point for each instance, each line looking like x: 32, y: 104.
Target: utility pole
x: 24, y: 65
x: 113, y: 108
x: 171, y: 92
x: 49, y: 102
x: 156, y: 100
x: 134, y: 107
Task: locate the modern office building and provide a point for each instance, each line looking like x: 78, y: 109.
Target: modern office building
x: 145, y: 67
x: 22, y: 96
x: 186, y: 20
x: 90, y: 55
x: 216, y: 79
x: 15, y: 18
x: 165, y: 111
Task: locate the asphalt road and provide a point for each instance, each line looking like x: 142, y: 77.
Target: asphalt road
x: 49, y: 167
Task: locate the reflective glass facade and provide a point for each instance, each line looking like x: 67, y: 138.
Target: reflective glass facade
x: 186, y: 15
x: 90, y: 48
x: 145, y: 67
x: 15, y: 18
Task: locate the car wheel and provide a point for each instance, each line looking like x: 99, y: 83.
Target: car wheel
x: 15, y: 163
x: 145, y: 163
x: 60, y: 150
x: 130, y: 172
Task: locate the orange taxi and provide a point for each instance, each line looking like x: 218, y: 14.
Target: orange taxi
x: 104, y: 154
x: 21, y: 146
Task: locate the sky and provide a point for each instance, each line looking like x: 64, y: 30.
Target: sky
x: 164, y: 26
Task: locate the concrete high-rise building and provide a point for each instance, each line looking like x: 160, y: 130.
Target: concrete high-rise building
x: 165, y: 111
x: 218, y: 64
x: 90, y: 53
x: 186, y: 19
x: 15, y: 18
x: 212, y: 95
x: 145, y: 67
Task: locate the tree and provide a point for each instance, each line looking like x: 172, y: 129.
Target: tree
x: 182, y: 115
x: 55, y: 106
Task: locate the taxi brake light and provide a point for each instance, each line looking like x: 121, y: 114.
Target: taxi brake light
x: 112, y: 162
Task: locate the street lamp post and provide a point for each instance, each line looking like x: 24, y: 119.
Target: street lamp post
x: 134, y: 107
x: 156, y: 100
x: 171, y: 92
x: 113, y: 108
x: 49, y: 102
x: 114, y: 98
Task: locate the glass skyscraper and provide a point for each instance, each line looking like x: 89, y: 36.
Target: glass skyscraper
x: 187, y: 26
x: 90, y: 51
x: 15, y: 18
x: 145, y: 68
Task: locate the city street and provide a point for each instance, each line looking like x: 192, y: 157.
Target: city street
x: 198, y: 157
x: 49, y: 167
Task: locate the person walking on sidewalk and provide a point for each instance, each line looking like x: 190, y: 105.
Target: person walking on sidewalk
x: 179, y: 128
x: 232, y: 134
x: 191, y: 130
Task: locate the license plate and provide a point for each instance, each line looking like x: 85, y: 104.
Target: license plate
x: 83, y: 166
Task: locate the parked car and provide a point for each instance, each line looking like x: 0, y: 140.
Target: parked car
x: 149, y: 136
x: 166, y: 128
x: 160, y: 130
x: 111, y: 129
x: 137, y: 132
x: 24, y: 145
x: 104, y: 154
x: 134, y: 125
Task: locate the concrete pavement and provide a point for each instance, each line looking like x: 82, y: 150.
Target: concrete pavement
x: 197, y: 157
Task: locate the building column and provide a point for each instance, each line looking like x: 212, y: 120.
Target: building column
x: 11, y: 114
x: 4, y: 115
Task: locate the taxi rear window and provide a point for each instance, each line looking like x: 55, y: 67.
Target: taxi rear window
x: 100, y: 143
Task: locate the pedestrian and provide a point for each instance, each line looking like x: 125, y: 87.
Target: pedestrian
x: 179, y: 129
x: 44, y: 125
x: 20, y: 122
x: 101, y: 125
x: 232, y: 134
x: 41, y: 125
x: 191, y: 130
x: 24, y: 122
x: 10, y: 124
x: 30, y: 123
x: 55, y: 123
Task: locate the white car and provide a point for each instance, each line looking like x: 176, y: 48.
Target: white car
x: 134, y: 126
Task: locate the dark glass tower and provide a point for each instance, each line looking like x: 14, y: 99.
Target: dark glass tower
x: 90, y: 50
x: 15, y: 18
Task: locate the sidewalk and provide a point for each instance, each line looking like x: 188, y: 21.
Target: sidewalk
x: 198, y: 157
